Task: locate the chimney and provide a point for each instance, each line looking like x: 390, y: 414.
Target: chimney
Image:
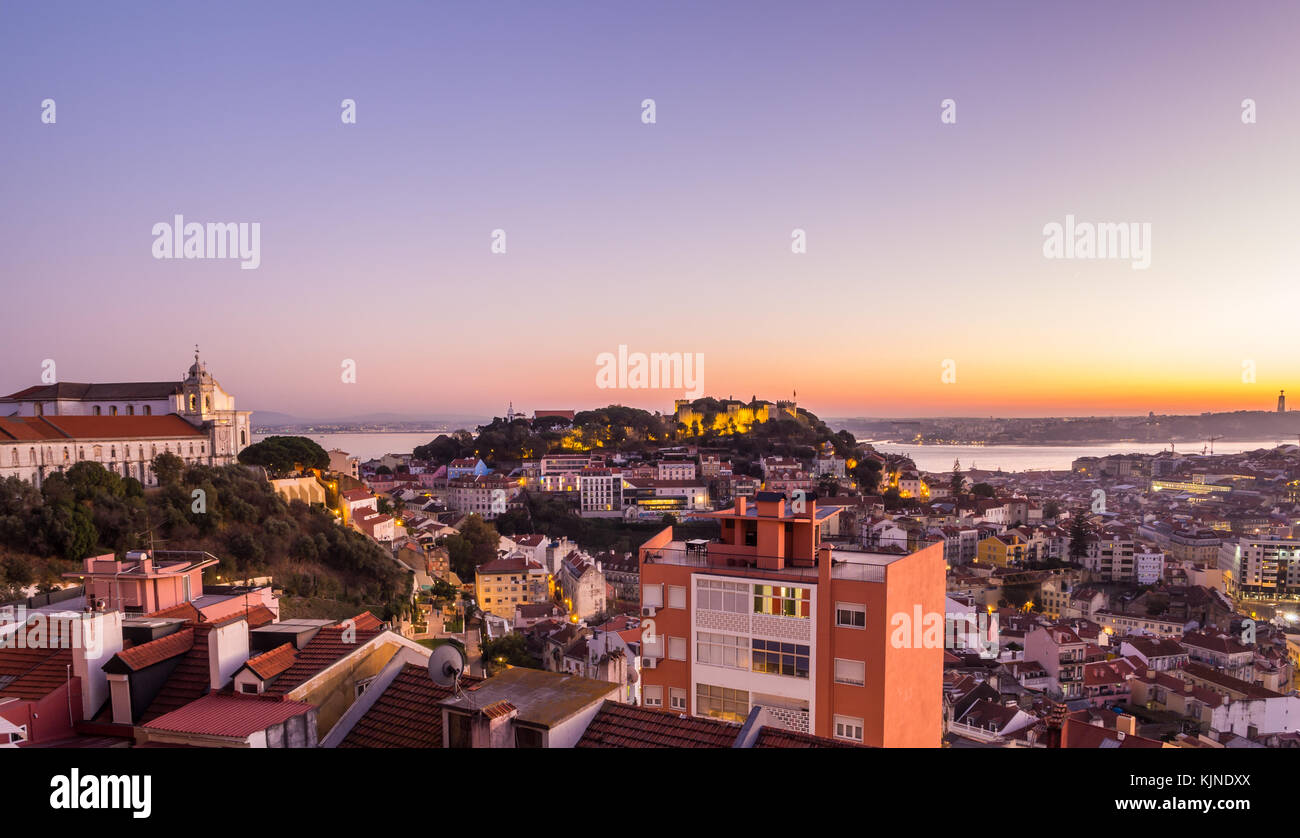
x: 96, y: 638
x: 227, y: 651
x: 742, y: 505
x: 1126, y: 724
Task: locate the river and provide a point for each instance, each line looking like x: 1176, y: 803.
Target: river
x: 938, y: 458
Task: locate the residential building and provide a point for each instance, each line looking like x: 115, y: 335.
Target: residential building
x: 828, y: 642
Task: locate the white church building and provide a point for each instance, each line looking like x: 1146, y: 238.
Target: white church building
x: 50, y: 427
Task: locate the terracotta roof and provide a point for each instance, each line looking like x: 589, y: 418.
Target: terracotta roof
x: 324, y: 650
x: 406, y: 715
x: 270, y: 664
x: 125, y: 391
x: 32, y: 673
x: 624, y: 726
x: 187, y: 610
x: 230, y: 714
x: 190, y: 680
x: 155, y: 651
x: 775, y: 737
x: 497, y: 709
x: 98, y: 427
x: 1077, y: 734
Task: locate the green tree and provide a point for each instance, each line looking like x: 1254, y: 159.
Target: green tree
x: 167, y: 468
x: 1079, y: 531
x: 982, y: 490
x: 957, y: 480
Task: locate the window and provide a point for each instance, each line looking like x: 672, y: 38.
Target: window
x: 850, y: 672
x: 677, y: 648
x: 364, y: 684
x: 527, y: 737
x: 847, y: 727
x: 776, y: 658
x: 248, y: 688
x: 676, y: 596
x: 652, y: 596
x: 98, y: 410
x: 721, y: 703
x: 716, y: 595
x: 781, y: 601
x: 148, y: 411
x: 722, y: 650
x: 677, y: 699
x: 130, y: 410
x: 458, y: 730
x: 653, y: 696
x: 112, y: 411
x: 850, y: 615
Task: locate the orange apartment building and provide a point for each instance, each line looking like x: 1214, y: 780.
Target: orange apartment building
x: 770, y: 616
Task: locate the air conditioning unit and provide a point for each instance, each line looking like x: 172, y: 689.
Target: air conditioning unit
x: 649, y: 663
x: 647, y: 612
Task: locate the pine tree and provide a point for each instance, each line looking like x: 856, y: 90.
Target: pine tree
x: 1078, y: 536
x: 957, y: 480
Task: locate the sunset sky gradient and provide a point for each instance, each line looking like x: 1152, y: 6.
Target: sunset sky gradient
x: 924, y: 239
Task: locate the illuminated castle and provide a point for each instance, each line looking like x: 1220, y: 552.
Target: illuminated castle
x: 735, y: 417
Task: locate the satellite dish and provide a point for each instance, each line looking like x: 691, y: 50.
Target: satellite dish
x: 445, y: 665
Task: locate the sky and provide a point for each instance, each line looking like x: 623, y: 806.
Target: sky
x: 924, y: 288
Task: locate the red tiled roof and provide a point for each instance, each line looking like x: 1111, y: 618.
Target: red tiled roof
x: 184, y: 609
x: 98, y: 427
x: 325, y: 649
x: 497, y: 709
x: 624, y: 726
x: 405, y: 716
x: 156, y: 651
x: 191, y: 678
x: 775, y: 737
x: 32, y: 673
x: 270, y: 664
x: 230, y: 714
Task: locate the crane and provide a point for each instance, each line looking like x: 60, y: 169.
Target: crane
x: 1211, y: 441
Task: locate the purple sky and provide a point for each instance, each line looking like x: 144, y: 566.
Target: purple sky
x: 924, y: 240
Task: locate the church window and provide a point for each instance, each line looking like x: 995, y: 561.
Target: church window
x: 15, y: 456
x: 99, y: 452
x: 243, y: 437
x: 207, y: 402
x: 112, y: 453
x: 153, y: 451
x: 112, y: 410
x: 98, y: 410
x: 194, y: 402
x: 65, y: 455
x: 32, y: 456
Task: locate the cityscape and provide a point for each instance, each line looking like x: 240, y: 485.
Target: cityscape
x: 572, y: 377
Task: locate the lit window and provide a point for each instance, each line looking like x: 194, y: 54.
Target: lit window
x: 776, y: 658
x: 721, y: 703
x: 782, y: 601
